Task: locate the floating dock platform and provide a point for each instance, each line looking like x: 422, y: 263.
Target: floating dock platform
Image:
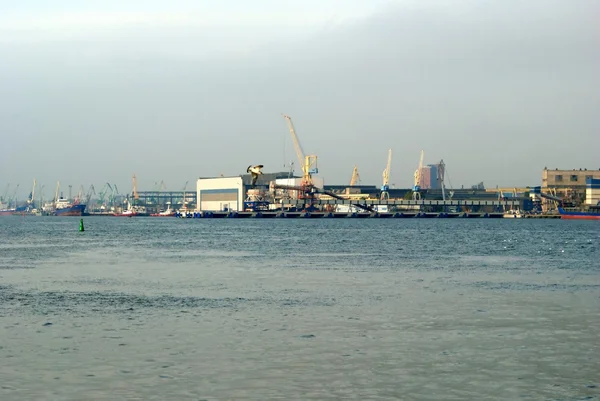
x: 333, y: 215
x: 406, y: 209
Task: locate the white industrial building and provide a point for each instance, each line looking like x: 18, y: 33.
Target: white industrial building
x: 220, y: 194
x: 592, y: 191
x: 229, y: 193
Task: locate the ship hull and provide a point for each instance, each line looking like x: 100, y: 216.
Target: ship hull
x: 568, y: 215
x: 14, y: 211
x: 133, y: 211
x: 580, y: 217
x: 75, y: 210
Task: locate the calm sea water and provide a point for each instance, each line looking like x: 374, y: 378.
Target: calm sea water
x: 414, y: 309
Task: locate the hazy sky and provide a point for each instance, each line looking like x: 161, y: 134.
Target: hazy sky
x: 95, y: 91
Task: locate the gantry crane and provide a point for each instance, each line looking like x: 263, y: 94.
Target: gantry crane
x: 355, y: 177
x: 135, y: 192
x: 3, y: 197
x: 114, y: 194
x: 308, y: 162
x: 56, y: 192
x: 102, y: 194
x: 441, y: 172
x: 13, y: 198
x: 418, y: 178
x: 385, y: 195
x: 183, y: 203
x: 88, y: 197
x: 32, y: 195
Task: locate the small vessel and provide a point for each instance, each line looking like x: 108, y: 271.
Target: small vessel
x: 64, y: 207
x: 593, y: 213
x: 133, y: 211
x: 5, y: 210
x: 165, y: 213
x: 513, y: 214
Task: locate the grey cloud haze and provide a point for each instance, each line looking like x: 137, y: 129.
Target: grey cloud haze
x: 498, y: 89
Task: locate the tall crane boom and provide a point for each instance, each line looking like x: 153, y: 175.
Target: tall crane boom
x: 183, y: 199
x: 3, y: 197
x: 88, y: 197
x: 32, y: 197
x: 297, y: 146
x: 386, y: 177
x: 355, y: 177
x: 134, y: 182
x: 386, y: 172
x: 418, y: 173
x: 13, y: 198
x: 56, y: 192
x: 308, y: 162
x: 418, y: 178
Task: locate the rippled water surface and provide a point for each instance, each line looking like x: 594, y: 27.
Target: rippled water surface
x: 414, y: 309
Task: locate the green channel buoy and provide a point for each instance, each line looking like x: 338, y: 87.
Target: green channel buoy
x: 81, y: 225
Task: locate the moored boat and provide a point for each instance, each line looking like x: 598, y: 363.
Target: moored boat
x: 593, y: 213
x: 513, y: 214
x: 165, y: 213
x: 64, y: 207
x: 13, y: 211
x: 133, y: 211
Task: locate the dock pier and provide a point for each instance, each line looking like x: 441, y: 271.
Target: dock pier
x: 316, y: 208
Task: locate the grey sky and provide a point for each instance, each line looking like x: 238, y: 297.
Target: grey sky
x: 173, y: 90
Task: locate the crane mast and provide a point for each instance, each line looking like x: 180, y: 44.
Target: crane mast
x: 355, y: 177
x: 88, y: 197
x: 30, y: 201
x: 13, y: 198
x: 418, y: 178
x: 441, y: 172
x: 3, y: 198
x: 386, y: 178
x: 418, y: 173
x: 56, y: 193
x: 308, y: 162
x: 134, y: 182
x: 183, y: 199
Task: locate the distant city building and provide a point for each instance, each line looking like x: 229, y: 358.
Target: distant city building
x: 430, y: 178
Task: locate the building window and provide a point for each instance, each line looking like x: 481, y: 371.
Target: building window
x: 559, y: 178
x: 573, y: 178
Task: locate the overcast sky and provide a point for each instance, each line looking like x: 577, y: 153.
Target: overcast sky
x: 95, y: 91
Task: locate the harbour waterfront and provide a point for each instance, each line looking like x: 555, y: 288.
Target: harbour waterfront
x: 178, y: 309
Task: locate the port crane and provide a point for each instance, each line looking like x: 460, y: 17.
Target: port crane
x: 308, y: 162
x: 183, y: 202
x: 114, y: 193
x: 3, y: 197
x: 88, y: 197
x: 385, y: 195
x: 13, y: 198
x: 355, y: 177
x: 56, y: 193
x: 102, y: 194
x: 32, y: 195
x: 307, y: 189
x: 135, y: 192
x: 41, y: 191
x: 418, y: 178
